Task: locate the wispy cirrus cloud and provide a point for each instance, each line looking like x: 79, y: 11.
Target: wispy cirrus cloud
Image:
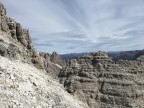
x: 80, y: 26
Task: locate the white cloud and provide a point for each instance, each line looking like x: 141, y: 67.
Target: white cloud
x: 81, y: 26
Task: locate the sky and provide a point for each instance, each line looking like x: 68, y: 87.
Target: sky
x: 74, y: 26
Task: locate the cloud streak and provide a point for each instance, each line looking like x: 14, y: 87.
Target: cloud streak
x: 81, y: 26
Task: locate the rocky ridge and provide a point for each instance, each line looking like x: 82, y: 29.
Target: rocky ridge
x: 16, y: 43
x: 24, y: 82
x: 102, y: 83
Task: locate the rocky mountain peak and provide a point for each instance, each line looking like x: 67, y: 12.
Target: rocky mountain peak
x: 101, y: 56
x: 53, y: 63
x: 54, y: 56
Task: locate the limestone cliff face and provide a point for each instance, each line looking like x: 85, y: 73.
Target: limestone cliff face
x: 52, y: 63
x: 15, y: 42
x: 101, y: 83
x: 55, y: 58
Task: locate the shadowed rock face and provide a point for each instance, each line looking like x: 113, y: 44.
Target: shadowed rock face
x: 101, y: 83
x: 52, y: 63
x: 55, y: 58
x: 16, y: 42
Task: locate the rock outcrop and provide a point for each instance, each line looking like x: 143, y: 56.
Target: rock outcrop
x: 55, y: 58
x: 102, y: 83
x: 15, y: 42
x: 52, y: 63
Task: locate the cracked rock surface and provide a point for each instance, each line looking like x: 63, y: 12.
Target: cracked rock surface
x: 101, y: 83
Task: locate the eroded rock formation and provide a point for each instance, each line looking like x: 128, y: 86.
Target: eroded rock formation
x: 94, y: 78
x: 16, y: 42
x: 101, y: 83
x: 52, y: 63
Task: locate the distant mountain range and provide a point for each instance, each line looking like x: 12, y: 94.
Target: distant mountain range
x: 115, y: 55
x: 126, y: 55
x: 72, y: 55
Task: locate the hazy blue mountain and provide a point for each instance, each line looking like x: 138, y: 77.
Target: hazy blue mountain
x: 115, y: 55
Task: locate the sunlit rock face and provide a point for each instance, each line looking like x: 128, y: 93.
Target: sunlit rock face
x: 101, y: 83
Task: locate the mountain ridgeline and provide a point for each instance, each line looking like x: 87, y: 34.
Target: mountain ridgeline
x: 16, y: 43
x: 32, y: 79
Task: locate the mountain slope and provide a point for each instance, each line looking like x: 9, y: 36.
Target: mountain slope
x: 24, y: 86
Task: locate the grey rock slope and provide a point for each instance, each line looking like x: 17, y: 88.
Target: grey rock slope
x: 101, y: 83
x: 24, y: 86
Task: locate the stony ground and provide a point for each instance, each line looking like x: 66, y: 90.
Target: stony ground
x: 24, y: 86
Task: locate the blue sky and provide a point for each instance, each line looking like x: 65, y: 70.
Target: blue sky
x: 69, y: 26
